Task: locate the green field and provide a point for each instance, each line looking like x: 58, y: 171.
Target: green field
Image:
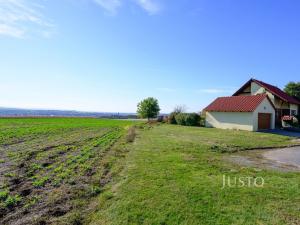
x: 87, y: 171
x: 52, y: 168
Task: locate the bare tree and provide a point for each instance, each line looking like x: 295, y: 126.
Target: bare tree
x: 179, y: 109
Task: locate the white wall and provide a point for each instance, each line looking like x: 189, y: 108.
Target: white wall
x: 257, y: 89
x: 240, y: 120
x: 264, y: 107
x: 230, y: 120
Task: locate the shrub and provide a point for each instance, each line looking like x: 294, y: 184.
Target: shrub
x: 202, y: 121
x: 181, y: 119
x: 188, y: 119
x: 177, y: 110
x: 171, y: 118
x: 192, y: 119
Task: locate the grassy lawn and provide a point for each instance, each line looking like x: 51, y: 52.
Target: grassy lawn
x: 174, y: 175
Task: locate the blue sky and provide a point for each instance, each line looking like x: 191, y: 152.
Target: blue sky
x: 106, y: 55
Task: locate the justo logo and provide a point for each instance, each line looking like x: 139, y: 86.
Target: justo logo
x: 240, y: 182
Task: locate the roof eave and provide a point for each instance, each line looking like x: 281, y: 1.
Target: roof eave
x: 243, y: 87
x: 226, y: 111
x: 285, y: 100
x: 296, y: 102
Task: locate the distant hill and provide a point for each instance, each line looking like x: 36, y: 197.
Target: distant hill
x: 15, y: 112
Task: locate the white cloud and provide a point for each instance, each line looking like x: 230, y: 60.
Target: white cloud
x: 150, y: 6
x: 21, y: 17
x: 110, y: 6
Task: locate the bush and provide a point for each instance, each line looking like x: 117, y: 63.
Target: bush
x: 172, y: 119
x: 177, y: 110
x: 181, y: 119
x: 188, y: 119
x: 192, y: 119
x: 202, y: 121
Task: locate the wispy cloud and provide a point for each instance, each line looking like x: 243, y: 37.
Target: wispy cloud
x: 111, y: 6
x: 215, y: 90
x: 167, y: 90
x: 21, y: 17
x: 150, y: 6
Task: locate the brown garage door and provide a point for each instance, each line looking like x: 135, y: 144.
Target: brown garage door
x: 264, y: 121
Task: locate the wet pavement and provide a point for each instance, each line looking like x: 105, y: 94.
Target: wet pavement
x: 285, y: 159
x: 289, y: 156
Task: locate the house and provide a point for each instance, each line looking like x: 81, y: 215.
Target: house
x: 285, y: 105
x: 250, y: 113
x: 255, y: 106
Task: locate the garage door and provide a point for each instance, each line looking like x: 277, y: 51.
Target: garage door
x: 264, y: 121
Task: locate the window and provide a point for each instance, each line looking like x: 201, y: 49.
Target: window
x: 293, y: 112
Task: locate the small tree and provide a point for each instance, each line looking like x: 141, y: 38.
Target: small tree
x: 177, y: 110
x: 148, y: 108
x: 293, y: 89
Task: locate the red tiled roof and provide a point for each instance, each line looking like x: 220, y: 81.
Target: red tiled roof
x: 274, y: 90
x: 236, y: 103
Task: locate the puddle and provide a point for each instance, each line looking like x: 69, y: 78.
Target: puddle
x: 285, y: 159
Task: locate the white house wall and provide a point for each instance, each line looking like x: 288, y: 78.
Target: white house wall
x: 230, y: 120
x: 257, y: 89
x: 264, y: 107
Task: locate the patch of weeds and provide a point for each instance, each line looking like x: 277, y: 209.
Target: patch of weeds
x: 72, y: 181
x: 95, y: 190
x: 12, y: 155
x: 3, y: 195
x: 35, y: 166
x: 40, y: 182
x: 131, y: 134
x: 58, y: 169
x: 2, y: 161
x: 64, y: 174
x: 56, y: 182
x: 75, y: 219
x: 12, y: 201
x: 86, y: 169
x: 223, y: 148
x: 34, y: 200
x: 10, y: 174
